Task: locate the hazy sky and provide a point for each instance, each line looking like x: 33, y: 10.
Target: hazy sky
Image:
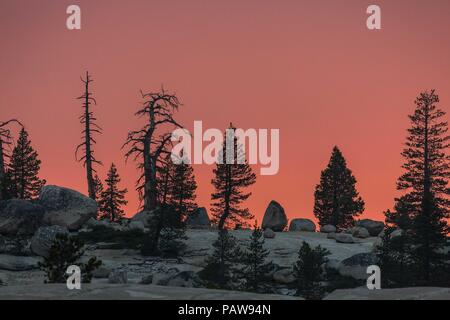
x: 310, y: 68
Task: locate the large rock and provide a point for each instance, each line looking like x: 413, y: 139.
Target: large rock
x: 44, y: 238
x: 144, y: 217
x: 269, y: 233
x: 198, y: 218
x: 374, y: 227
x: 18, y: 263
x: 137, y: 226
x: 360, y: 232
x: 118, y: 277
x: 356, y: 266
x: 344, y: 238
x: 274, y: 217
x: 20, y: 217
x: 66, y: 208
x: 328, y: 228
x: 185, y: 279
x: 302, y: 225
x: 284, y: 276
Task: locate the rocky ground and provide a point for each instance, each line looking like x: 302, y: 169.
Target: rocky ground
x: 28, y: 229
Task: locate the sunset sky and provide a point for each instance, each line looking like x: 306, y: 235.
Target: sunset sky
x: 309, y: 68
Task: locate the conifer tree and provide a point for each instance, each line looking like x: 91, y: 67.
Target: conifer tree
x: 24, y: 169
x: 221, y: 264
x: 231, y: 176
x: 112, y: 198
x: 254, y: 260
x: 182, y: 188
x: 309, y: 273
x: 336, y: 200
x: 98, y: 187
x: 90, y: 127
x: 424, y: 207
x: 5, y: 141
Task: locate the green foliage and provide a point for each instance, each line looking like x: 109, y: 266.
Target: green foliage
x: 171, y: 243
x: 221, y: 264
x: 112, y: 198
x: 230, y: 180
x: 336, y: 200
x: 129, y: 239
x: 23, y: 169
x: 309, y: 272
x: 254, y: 261
x: 64, y: 252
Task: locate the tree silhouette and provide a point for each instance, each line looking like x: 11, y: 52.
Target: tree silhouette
x: 90, y: 127
x: 149, y: 144
x: 336, y: 200
x: 424, y: 208
x: 98, y: 187
x: 221, y: 264
x: 254, y: 260
x: 5, y: 141
x: 230, y: 178
x: 112, y: 198
x: 308, y: 271
x: 24, y: 168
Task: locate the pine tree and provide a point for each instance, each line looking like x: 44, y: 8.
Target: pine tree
x: 90, y: 127
x: 424, y: 208
x: 24, y: 168
x: 231, y: 176
x: 98, y: 187
x: 182, y: 189
x: 309, y: 273
x: 336, y: 200
x: 220, y: 266
x: 254, y: 260
x: 394, y: 259
x: 5, y: 141
x: 112, y: 198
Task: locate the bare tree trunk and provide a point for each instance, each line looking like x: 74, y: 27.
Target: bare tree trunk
x: 87, y: 138
x: 2, y: 169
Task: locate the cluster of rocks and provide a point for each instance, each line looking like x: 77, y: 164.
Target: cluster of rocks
x: 275, y: 220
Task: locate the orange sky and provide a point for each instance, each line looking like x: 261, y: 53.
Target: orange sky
x: 309, y: 68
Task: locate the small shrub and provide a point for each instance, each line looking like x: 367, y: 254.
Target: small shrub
x: 129, y: 239
x: 64, y: 252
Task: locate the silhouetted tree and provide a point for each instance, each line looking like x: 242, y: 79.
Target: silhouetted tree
x: 5, y: 141
x: 221, y: 264
x: 112, y: 198
x: 183, y: 187
x: 254, y: 260
x: 98, y: 187
x: 309, y: 272
x: 149, y: 144
x: 423, y: 210
x: 64, y: 252
x: 24, y: 168
x: 336, y: 200
x: 90, y: 127
x: 230, y: 179
x: 395, y: 260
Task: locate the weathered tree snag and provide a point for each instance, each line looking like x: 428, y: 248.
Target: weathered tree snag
x: 150, y: 143
x: 90, y: 127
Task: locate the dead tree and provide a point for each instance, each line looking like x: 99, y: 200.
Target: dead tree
x: 150, y: 144
x: 5, y: 140
x: 90, y: 127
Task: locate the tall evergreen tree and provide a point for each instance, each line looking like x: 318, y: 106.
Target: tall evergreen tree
x: 231, y: 176
x: 183, y: 187
x: 309, y: 273
x: 336, y: 200
x: 112, y: 198
x: 89, y: 128
x: 98, y: 187
x: 5, y: 141
x: 221, y: 264
x: 24, y: 169
x: 254, y: 260
x: 424, y: 208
